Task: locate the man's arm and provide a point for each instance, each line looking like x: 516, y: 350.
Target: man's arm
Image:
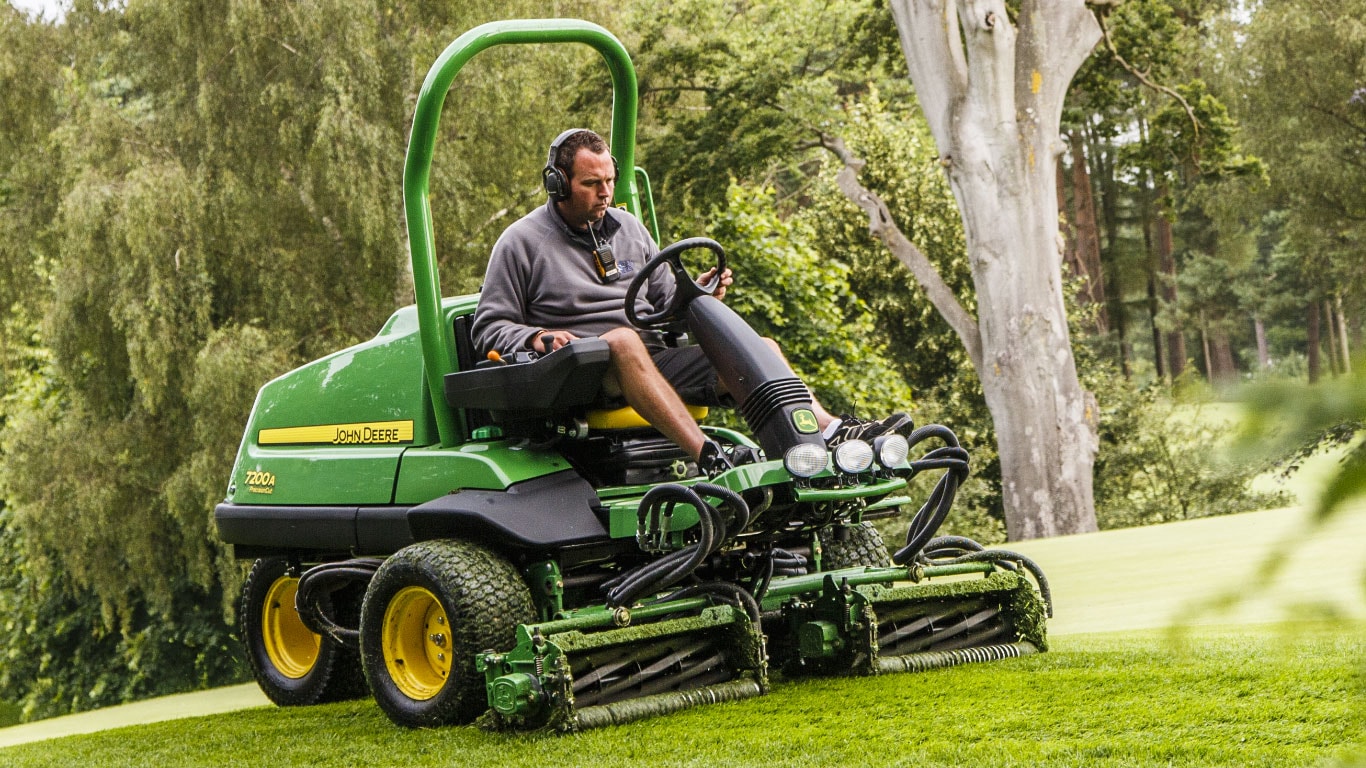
x: 500, y: 320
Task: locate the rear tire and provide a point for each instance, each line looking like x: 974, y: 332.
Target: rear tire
x: 293, y: 666
x: 862, y: 546
x: 430, y: 609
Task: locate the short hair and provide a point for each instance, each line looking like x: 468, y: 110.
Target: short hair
x: 569, y: 149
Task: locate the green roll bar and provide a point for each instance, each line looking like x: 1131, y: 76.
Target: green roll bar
x: 438, y: 343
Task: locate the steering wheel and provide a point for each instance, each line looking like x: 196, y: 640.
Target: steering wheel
x: 685, y: 288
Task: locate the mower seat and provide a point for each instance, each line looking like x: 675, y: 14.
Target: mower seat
x: 567, y: 381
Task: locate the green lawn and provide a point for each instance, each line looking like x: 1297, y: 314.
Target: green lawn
x: 1222, y: 696
x: 1262, y: 682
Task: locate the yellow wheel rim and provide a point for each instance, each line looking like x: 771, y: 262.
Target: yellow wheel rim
x: 290, y: 646
x: 416, y: 641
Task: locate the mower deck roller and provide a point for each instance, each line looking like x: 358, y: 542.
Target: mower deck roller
x: 605, y: 667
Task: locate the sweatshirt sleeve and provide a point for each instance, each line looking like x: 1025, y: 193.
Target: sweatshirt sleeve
x: 500, y: 319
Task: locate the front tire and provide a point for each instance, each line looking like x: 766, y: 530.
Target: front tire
x: 430, y: 609
x: 293, y: 665
x: 855, y: 545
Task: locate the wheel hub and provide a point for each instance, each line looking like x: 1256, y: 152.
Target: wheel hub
x: 415, y: 641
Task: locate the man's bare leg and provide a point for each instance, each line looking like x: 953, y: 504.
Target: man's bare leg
x: 646, y: 390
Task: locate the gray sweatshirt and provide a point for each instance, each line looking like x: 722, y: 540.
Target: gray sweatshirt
x: 542, y: 277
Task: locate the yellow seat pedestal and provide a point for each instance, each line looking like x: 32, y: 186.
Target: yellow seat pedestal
x: 627, y: 418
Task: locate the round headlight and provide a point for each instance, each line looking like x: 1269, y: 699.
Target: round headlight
x: 891, y: 450
x: 806, y: 459
x: 853, y: 456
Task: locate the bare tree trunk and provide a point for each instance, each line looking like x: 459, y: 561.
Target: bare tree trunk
x: 1204, y: 346
x: 1342, y: 328
x: 1100, y: 161
x: 1334, y: 366
x: 1223, y: 371
x: 993, y: 97
x: 1158, y: 358
x: 1087, y: 232
x: 1176, y: 340
x: 1312, y: 351
x: 1263, y: 356
x: 1146, y: 211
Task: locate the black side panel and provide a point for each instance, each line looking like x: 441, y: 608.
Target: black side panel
x: 542, y: 514
x: 382, y: 530
x: 287, y: 528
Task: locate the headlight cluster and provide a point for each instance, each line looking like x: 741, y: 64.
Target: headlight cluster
x: 852, y: 457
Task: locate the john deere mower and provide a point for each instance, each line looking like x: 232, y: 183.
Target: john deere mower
x: 479, y: 539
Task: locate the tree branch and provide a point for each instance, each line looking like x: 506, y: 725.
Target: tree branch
x: 1143, y: 77
x: 882, y: 226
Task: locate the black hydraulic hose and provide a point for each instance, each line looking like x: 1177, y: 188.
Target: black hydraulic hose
x: 731, y: 593
x: 713, y: 531
x: 326, y: 579
x: 927, y: 520
x: 950, y: 546
x: 1006, y: 558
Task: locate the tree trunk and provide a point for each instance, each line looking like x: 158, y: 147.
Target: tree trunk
x: 1223, y: 371
x: 1312, y: 351
x: 1086, y: 231
x: 1159, y: 364
x: 993, y: 97
x: 1204, y: 348
x: 1342, y: 328
x: 1166, y: 264
x: 1330, y: 321
x: 1103, y: 174
x: 1263, y: 356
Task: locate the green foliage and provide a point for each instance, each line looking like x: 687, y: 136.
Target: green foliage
x: 1156, y: 463
x: 195, y: 196
x: 789, y: 290
x: 61, y: 656
x: 1302, y: 69
x: 739, y: 89
x: 1287, y: 419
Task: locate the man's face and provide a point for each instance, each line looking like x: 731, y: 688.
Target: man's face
x: 590, y: 189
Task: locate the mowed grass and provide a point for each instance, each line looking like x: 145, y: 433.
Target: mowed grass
x: 1290, y: 695
x: 1268, y: 684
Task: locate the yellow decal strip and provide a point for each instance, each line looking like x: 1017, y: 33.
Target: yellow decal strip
x: 363, y: 433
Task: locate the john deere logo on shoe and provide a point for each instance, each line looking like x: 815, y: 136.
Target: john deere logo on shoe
x: 364, y: 433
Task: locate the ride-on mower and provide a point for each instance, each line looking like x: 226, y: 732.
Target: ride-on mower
x: 470, y: 537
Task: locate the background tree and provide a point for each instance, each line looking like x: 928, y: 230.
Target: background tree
x: 1304, y: 101
x: 992, y: 88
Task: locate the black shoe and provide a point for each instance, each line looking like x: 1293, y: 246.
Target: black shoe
x: 851, y: 428
x: 713, y: 460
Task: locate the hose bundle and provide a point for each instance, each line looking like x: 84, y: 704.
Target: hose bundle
x: 952, y: 550
x: 716, y: 526
x: 325, y: 579
x: 926, y: 522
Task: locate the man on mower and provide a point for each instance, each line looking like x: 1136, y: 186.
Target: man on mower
x: 561, y: 273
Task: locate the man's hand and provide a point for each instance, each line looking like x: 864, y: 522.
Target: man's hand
x: 726, y: 280
x: 557, y: 339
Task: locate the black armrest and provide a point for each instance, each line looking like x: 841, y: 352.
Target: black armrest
x: 567, y: 378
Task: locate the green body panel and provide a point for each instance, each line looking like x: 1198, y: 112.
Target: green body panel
x: 376, y: 381
x: 435, y: 471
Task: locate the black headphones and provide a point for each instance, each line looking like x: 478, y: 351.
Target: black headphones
x: 556, y: 185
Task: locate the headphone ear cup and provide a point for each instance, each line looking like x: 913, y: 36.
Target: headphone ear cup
x: 555, y: 184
